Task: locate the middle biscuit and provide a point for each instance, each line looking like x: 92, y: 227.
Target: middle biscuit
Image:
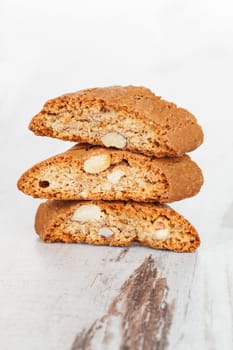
x: 93, y: 173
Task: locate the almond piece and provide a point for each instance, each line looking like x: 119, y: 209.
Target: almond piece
x: 115, y: 176
x: 113, y: 139
x: 83, y: 194
x: 87, y: 213
x: 161, y: 235
x: 105, y: 232
x: 96, y: 164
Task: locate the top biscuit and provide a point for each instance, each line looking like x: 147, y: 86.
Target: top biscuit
x: 131, y: 118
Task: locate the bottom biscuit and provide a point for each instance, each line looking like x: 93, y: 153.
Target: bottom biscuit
x: 116, y: 224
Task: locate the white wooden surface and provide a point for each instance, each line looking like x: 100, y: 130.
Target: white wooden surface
x: 182, y: 50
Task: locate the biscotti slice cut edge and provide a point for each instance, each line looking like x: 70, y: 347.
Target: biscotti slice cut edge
x: 130, y: 118
x: 115, y: 224
x: 91, y: 173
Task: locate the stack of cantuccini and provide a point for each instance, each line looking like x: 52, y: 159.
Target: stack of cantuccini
x: 112, y: 187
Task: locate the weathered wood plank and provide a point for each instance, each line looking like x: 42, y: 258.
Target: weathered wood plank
x: 139, y: 317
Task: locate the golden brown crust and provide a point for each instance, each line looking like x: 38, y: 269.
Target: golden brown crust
x: 146, y: 179
x: 173, y: 131
x: 130, y: 221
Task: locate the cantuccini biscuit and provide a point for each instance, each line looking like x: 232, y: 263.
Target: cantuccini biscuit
x: 130, y: 118
x: 92, y: 173
x: 115, y: 224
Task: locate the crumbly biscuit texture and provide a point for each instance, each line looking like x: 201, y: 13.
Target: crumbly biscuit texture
x: 131, y: 118
x: 116, y: 224
x: 93, y: 173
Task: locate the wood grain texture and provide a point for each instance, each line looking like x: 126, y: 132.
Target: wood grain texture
x: 138, y: 318
x: 74, y: 285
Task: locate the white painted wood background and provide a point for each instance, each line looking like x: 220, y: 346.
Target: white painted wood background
x: 183, y: 50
